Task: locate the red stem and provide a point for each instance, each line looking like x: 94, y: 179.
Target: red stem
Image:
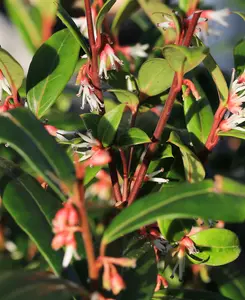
x: 175, y: 89
x: 95, y: 51
x: 213, y: 138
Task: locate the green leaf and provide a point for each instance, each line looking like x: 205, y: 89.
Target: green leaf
x: 198, y: 117
x: 140, y: 281
x: 40, y: 286
x: 155, y: 76
x: 91, y: 173
x: 124, y: 12
x: 239, y: 56
x: 221, y: 246
x: 230, y: 280
x: 206, y: 199
x: 179, y: 56
x: 184, y: 5
x: 50, y: 70
x: 174, y: 229
x: 11, y: 69
x: 155, y: 10
x: 194, y: 170
x: 234, y: 133
x: 29, y: 138
x: 134, y: 136
x: 91, y: 123
x: 22, y: 19
x: 70, y: 24
x: 32, y: 208
x: 102, y: 13
x: 174, y: 294
x: 108, y: 125
x: 217, y: 76
x: 126, y: 97
x: 239, y: 13
x: 48, y: 9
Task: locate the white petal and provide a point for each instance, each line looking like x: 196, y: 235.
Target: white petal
x: 68, y: 256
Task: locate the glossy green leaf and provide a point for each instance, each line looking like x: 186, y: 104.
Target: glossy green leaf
x: 180, y: 56
x: 91, y: 123
x: 102, y: 13
x: 20, y: 16
x: 239, y: 56
x: 11, y: 69
x: 108, y: 125
x: 217, y: 76
x: 67, y: 20
x: 32, y: 208
x: 241, y: 14
x: 206, y: 199
x: 194, y: 170
x: 125, y: 10
x: 184, y: 5
x: 29, y: 138
x: 217, y: 246
x: 155, y: 10
x: 50, y: 70
x: 126, y: 97
x: 234, y: 133
x: 185, y: 294
x: 155, y: 76
x: 198, y: 117
x: 230, y: 280
x: 47, y: 8
x: 174, y: 229
x: 91, y: 173
x: 140, y: 281
x: 37, y: 285
x: 134, y: 136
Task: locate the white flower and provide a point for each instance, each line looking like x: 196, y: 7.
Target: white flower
x: 88, y: 95
x: 167, y: 24
x: 139, y: 50
x: 90, y: 144
x: 81, y: 23
x: 217, y: 16
x: 4, y: 85
x: 151, y: 177
x: 236, y: 93
x: 232, y: 122
x: 70, y: 252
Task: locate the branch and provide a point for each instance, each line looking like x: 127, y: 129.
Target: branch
x: 174, y: 90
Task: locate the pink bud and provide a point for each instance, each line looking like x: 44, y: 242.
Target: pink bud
x: 99, y: 158
x: 117, y: 283
x: 4, y: 108
x: 51, y: 129
x: 58, y: 241
x: 73, y: 218
x: 60, y: 220
x: 224, y: 126
x: 188, y: 244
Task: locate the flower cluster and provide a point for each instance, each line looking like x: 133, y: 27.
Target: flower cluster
x: 185, y: 244
x: 65, y: 223
x: 236, y: 113
x: 111, y: 279
x: 94, y: 153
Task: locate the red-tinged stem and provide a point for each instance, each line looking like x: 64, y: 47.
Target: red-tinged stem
x: 213, y: 138
x: 131, y: 150
x: 94, y: 49
x: 175, y: 89
x: 86, y: 234
x: 114, y: 179
x: 125, y: 175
